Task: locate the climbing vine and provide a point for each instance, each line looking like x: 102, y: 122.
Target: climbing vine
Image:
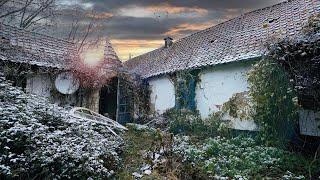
x: 274, y: 101
x: 301, y: 59
x: 91, y: 76
x: 185, y: 83
x: 238, y: 106
x: 138, y: 93
x: 15, y: 72
x: 287, y: 78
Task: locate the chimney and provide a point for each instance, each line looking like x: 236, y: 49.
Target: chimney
x: 168, y: 42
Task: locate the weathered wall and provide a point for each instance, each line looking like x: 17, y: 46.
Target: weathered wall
x: 162, y: 94
x: 91, y: 100
x: 309, y: 122
x: 40, y: 84
x: 43, y: 85
x: 217, y: 85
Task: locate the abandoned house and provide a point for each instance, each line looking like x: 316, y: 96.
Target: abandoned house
x: 34, y: 62
x: 205, y: 71
x: 218, y: 59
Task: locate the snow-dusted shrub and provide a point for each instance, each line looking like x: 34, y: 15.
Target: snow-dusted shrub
x: 41, y: 140
x: 184, y: 121
x: 188, y: 122
x: 243, y: 157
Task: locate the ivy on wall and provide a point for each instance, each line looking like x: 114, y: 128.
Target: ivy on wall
x: 301, y: 59
x: 238, y: 106
x: 274, y: 102
x: 137, y: 91
x: 185, y: 83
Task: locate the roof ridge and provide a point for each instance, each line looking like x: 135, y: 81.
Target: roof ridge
x: 237, y: 17
x: 234, y: 18
x: 33, y: 32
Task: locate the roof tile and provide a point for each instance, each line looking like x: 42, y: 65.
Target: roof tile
x: 37, y: 49
x: 237, y: 39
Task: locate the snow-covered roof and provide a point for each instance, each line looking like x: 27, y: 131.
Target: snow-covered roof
x: 18, y: 45
x: 237, y: 39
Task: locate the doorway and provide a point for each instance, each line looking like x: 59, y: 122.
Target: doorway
x: 108, y: 99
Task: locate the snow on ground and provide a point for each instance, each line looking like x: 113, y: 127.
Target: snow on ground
x: 40, y: 139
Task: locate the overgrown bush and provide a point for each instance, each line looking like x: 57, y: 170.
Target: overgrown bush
x: 242, y: 157
x: 39, y: 140
x: 168, y: 156
x: 149, y: 149
x: 300, y: 57
x: 183, y: 121
x: 274, y: 102
x: 187, y: 122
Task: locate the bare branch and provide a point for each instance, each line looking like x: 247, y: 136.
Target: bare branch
x: 85, y: 36
x: 28, y: 13
x: 3, y: 2
x: 23, y: 13
x: 35, y: 21
x: 16, y: 10
x: 28, y: 20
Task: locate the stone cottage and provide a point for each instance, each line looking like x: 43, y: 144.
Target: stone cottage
x: 219, y: 57
x: 34, y: 61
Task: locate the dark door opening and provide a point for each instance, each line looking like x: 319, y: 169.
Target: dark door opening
x: 108, y: 99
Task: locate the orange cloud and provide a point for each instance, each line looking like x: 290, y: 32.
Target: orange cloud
x: 102, y: 15
x: 161, y: 10
x: 125, y: 47
x: 133, y: 47
x: 165, y: 7
x: 179, y: 30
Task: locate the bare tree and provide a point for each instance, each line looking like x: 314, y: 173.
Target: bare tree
x: 84, y: 30
x: 28, y: 14
x: 37, y: 15
x: 10, y: 11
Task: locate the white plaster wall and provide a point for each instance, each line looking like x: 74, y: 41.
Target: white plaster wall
x: 162, y: 94
x: 241, y: 124
x: 39, y: 84
x: 217, y: 85
x: 42, y: 85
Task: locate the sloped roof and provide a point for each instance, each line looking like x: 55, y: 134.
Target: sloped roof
x: 18, y: 45
x: 238, y: 39
x: 111, y: 58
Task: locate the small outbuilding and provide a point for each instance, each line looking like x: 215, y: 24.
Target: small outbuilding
x: 52, y: 68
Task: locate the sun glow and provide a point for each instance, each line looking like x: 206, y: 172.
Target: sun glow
x: 92, y: 57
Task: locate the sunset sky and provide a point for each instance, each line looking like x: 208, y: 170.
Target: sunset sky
x: 138, y: 26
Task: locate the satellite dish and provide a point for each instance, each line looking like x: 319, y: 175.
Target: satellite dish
x: 66, y: 83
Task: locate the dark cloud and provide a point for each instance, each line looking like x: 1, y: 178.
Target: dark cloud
x: 148, y: 27
x: 225, y: 4
x: 139, y: 28
x: 153, y: 19
x: 207, y: 4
